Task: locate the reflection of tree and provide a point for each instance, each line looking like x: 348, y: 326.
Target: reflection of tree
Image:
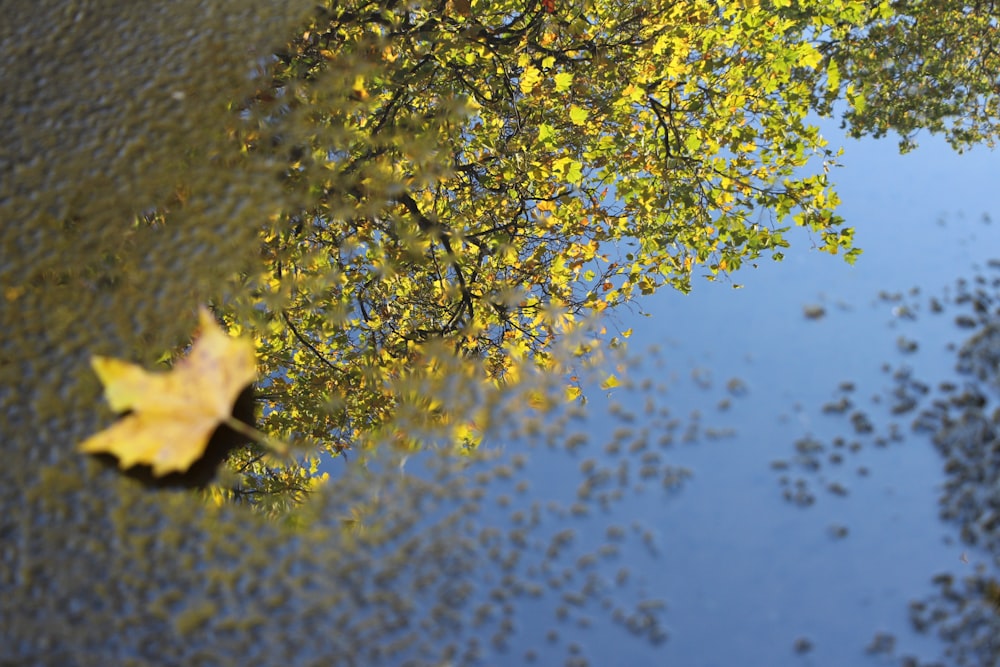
x: 964, y: 426
x: 432, y: 560
x: 489, y: 176
x: 495, y: 180
x: 113, y: 114
x: 965, y: 612
x: 97, y: 570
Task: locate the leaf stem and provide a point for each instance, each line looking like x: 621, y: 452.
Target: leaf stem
x: 276, y: 446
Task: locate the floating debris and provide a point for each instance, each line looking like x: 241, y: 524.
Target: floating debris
x: 862, y: 423
x: 965, y: 430
x: 840, y: 406
x: 906, y: 345
x: 737, y: 387
x: 813, y: 312
x: 837, y: 531
x: 702, y: 377
x: 837, y: 489
x: 883, y: 643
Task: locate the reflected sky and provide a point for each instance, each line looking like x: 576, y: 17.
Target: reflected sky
x: 748, y: 577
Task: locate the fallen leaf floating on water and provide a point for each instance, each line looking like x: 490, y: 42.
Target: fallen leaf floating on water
x: 813, y: 311
x: 173, y: 414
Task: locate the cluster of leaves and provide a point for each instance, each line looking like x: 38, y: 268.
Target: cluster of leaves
x: 485, y: 176
x: 922, y: 65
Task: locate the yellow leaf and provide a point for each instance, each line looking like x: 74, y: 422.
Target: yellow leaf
x: 808, y: 56
x: 173, y: 414
x: 569, y: 168
x: 578, y: 115
x: 359, y: 87
x: 611, y: 382
x: 546, y: 133
x: 563, y: 81
x: 529, y: 79
x: 539, y: 400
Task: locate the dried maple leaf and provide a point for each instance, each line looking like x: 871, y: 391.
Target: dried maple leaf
x: 174, y: 414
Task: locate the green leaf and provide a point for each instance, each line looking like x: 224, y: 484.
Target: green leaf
x: 832, y: 76
x: 563, y: 81
x: 546, y: 134
x: 578, y: 115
